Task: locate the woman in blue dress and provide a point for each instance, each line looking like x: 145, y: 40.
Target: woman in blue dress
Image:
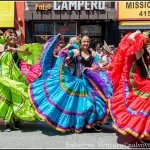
x: 69, y: 100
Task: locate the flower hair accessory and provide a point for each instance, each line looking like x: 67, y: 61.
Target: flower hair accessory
x: 8, y: 33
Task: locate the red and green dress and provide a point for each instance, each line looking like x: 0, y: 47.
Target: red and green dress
x: 130, y: 103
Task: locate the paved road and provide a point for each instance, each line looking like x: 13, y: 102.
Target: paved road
x: 40, y: 135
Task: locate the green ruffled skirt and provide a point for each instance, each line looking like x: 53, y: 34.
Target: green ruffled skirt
x: 14, y: 99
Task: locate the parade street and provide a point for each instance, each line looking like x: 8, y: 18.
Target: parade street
x: 41, y: 136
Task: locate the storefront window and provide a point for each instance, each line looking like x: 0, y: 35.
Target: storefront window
x: 91, y: 30
x: 66, y: 28
x: 44, y: 29
x: 50, y: 29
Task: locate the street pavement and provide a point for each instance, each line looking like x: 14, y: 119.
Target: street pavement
x: 41, y: 136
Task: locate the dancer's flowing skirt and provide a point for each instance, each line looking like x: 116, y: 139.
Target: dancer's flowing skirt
x: 14, y: 99
x: 67, y: 102
x: 129, y: 105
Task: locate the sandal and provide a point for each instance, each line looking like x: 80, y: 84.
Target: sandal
x: 17, y: 124
x: 7, y: 128
x: 97, y: 128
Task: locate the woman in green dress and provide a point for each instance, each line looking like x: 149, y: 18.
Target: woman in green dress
x: 14, y: 101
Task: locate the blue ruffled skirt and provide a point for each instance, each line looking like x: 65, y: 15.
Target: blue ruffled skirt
x: 66, y: 102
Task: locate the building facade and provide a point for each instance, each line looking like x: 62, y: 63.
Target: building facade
x: 71, y: 18
x: 102, y: 20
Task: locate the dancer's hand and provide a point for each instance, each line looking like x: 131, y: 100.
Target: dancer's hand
x: 9, y: 48
x: 105, y: 67
x: 131, y: 37
x: 67, y: 46
x: 61, y: 37
x: 26, y: 52
x: 76, y: 52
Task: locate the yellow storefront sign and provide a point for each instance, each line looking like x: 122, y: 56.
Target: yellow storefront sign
x: 134, y: 10
x: 6, y: 14
x: 134, y: 23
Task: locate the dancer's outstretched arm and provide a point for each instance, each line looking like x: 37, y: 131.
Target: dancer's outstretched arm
x: 131, y: 38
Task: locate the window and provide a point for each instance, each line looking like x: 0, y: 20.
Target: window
x: 50, y: 29
x: 66, y: 28
x: 91, y: 30
x: 44, y: 28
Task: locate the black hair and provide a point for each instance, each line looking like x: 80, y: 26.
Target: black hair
x: 85, y: 35
x: 94, y: 43
x: 12, y: 30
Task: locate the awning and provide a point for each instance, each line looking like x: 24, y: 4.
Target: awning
x: 141, y: 25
